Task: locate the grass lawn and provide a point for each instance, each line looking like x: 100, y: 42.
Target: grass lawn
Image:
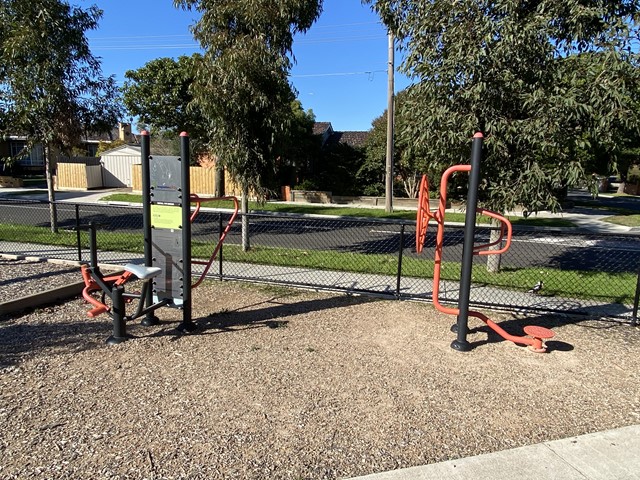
x: 626, y: 220
x: 564, y: 283
x: 313, y: 209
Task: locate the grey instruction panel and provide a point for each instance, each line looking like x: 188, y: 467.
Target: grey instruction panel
x: 166, y: 223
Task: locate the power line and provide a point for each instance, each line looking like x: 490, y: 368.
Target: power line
x: 337, y: 74
x: 133, y: 46
x: 128, y: 42
x: 144, y: 47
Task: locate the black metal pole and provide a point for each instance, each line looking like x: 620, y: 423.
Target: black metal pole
x: 221, y: 245
x: 118, y: 313
x: 93, y: 246
x: 78, y: 237
x: 460, y: 343
x: 147, y: 194
x: 636, y: 300
x: 187, y: 322
x: 399, y: 274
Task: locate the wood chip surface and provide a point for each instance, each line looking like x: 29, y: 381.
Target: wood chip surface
x: 290, y: 384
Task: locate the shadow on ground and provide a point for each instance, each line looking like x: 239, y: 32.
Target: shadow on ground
x: 271, y: 313
x: 593, y: 319
x: 19, y: 339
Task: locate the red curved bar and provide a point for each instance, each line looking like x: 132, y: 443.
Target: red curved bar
x: 91, y: 286
x: 535, y: 343
x: 223, y: 235
x: 507, y: 244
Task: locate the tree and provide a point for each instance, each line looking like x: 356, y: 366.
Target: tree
x: 159, y: 95
x: 300, y: 148
x: 51, y: 87
x: 507, y: 68
x: 241, y: 86
x: 409, y: 164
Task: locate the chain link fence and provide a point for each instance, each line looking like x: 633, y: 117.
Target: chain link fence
x: 581, y: 273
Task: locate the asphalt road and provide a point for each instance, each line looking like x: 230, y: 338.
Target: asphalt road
x: 540, y: 249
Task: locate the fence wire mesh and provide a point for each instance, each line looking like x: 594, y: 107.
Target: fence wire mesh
x: 580, y: 273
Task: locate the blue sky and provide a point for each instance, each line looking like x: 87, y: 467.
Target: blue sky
x: 341, y: 63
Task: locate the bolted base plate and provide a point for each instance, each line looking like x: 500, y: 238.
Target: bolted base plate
x: 461, y: 346
x: 116, y: 340
x: 187, y: 327
x: 150, y: 321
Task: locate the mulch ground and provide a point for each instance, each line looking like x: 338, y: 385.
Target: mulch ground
x: 291, y: 384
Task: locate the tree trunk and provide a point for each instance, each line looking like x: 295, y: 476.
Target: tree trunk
x: 219, y: 181
x: 244, y: 208
x: 48, y: 168
x: 493, y: 261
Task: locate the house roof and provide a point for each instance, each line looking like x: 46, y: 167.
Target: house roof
x: 320, y: 128
x: 101, y: 137
x: 354, y: 138
x: 123, y: 150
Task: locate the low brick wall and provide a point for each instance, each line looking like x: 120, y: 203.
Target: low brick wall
x: 11, y: 182
x: 311, y: 196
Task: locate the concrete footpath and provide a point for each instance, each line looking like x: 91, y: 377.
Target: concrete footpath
x: 609, y: 455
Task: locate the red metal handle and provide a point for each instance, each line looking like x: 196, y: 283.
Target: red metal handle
x: 504, y: 222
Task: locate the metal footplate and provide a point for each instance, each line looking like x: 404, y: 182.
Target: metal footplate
x: 539, y: 334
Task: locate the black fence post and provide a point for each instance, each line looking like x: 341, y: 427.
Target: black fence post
x: 399, y: 274
x: 636, y: 300
x: 221, y: 246
x: 78, y: 239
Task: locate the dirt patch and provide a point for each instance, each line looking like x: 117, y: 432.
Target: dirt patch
x: 291, y: 384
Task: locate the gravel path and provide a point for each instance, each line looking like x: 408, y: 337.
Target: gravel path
x: 292, y: 384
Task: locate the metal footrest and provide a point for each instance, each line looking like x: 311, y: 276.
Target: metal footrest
x: 539, y: 334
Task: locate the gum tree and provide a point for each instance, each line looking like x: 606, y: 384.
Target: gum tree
x: 242, y: 87
x: 51, y: 87
x: 505, y: 68
x: 158, y: 94
x: 409, y: 165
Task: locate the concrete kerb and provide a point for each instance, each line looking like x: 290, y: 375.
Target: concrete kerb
x: 608, y: 455
x: 46, y: 297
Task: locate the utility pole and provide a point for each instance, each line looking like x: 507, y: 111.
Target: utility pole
x: 390, y: 114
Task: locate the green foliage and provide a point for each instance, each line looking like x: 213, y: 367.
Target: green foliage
x: 334, y: 171
x: 545, y: 81
x: 159, y: 94
x: 241, y: 85
x: 51, y: 86
x: 106, y: 146
x: 307, y: 184
x: 299, y: 149
x: 408, y: 163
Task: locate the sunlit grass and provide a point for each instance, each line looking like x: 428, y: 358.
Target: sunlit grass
x: 315, y: 209
x: 564, y: 283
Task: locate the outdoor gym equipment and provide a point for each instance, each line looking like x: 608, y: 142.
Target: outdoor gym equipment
x: 167, y: 272
x: 536, y: 335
